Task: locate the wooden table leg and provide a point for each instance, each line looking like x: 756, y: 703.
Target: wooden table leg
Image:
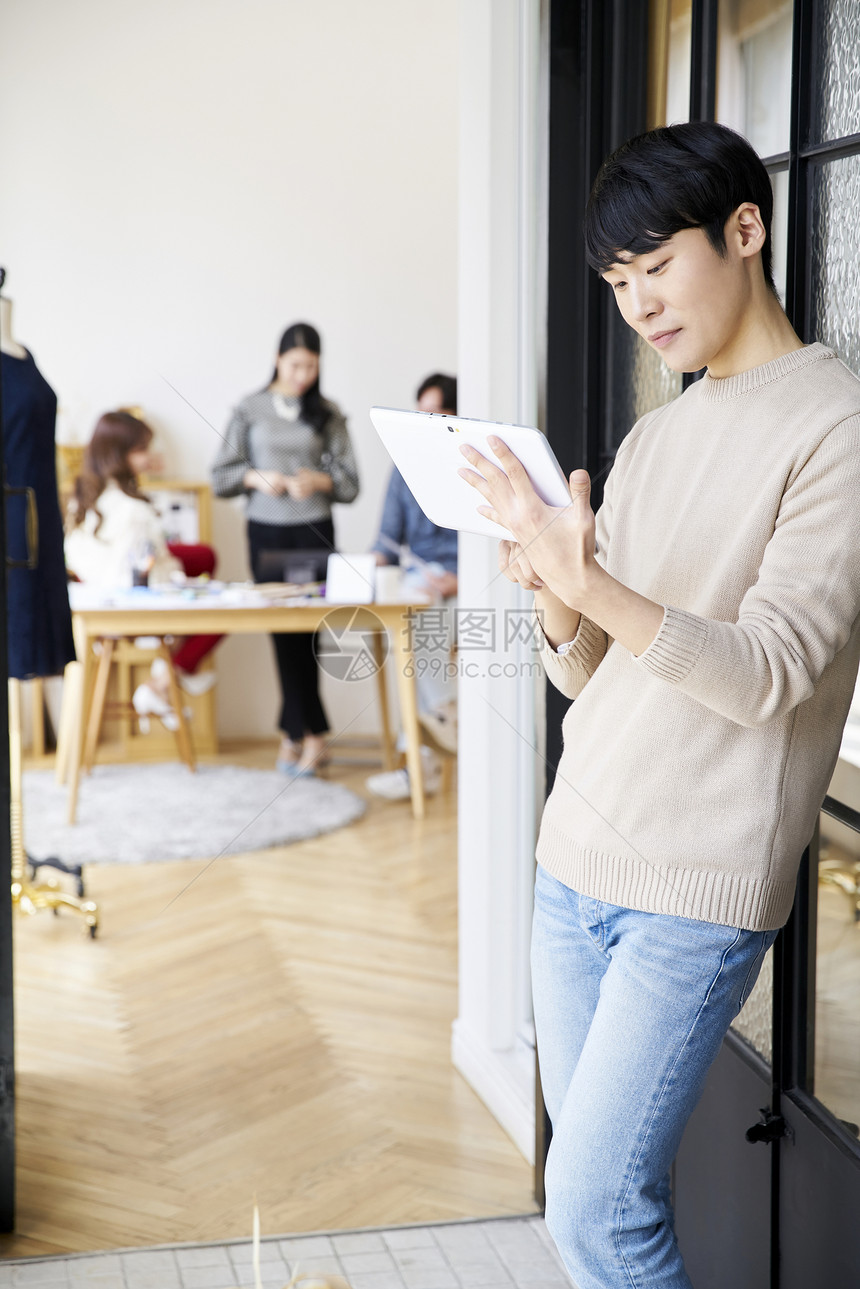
x: 97, y: 702
x: 183, y: 733
x: 404, y: 658
x: 382, y: 688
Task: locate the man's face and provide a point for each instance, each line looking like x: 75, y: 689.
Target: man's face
x: 687, y: 301
x: 431, y: 401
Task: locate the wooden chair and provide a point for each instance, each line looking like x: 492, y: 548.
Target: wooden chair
x: 97, y: 706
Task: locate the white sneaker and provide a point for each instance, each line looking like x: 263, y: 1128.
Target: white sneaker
x: 441, y: 725
x: 394, y: 784
x: 194, y: 683
x: 147, y: 703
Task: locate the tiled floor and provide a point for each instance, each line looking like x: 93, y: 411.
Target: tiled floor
x: 509, y: 1253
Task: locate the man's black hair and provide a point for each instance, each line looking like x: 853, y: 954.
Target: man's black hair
x: 679, y: 176
x: 447, y: 386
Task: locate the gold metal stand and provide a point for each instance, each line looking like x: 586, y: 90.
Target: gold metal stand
x: 27, y: 895
x: 838, y: 868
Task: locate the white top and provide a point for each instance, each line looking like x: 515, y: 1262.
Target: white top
x: 129, y: 529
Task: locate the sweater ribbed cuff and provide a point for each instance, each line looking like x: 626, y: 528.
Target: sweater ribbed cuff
x: 675, y: 650
x: 587, y: 647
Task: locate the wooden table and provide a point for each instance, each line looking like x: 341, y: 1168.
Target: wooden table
x: 210, y: 615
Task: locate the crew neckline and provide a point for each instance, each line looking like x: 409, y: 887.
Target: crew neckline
x: 287, y: 406
x: 718, y: 389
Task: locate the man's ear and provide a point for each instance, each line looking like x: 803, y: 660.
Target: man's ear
x: 745, y: 227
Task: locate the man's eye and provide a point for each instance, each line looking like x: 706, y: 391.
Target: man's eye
x: 657, y: 267
x: 618, y: 286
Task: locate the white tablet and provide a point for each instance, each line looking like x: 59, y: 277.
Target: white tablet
x: 425, y: 447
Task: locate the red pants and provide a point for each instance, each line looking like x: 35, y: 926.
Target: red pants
x: 195, y: 560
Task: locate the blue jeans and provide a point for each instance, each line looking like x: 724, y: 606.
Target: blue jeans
x: 630, y: 1011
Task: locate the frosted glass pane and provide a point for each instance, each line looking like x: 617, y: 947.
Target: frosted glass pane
x: 779, y: 230
x: 835, y: 245
x: 755, y: 1021
x: 836, y: 74
x: 678, y: 71
x: 837, y: 957
x: 754, y: 71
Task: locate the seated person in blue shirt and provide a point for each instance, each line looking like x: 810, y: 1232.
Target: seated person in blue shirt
x: 434, y: 552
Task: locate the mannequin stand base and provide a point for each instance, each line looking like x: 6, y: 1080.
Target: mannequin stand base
x: 32, y: 897
x: 28, y: 894
x: 72, y: 870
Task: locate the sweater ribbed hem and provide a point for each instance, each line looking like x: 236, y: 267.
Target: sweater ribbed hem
x: 716, y: 389
x: 727, y: 899
x: 675, y: 650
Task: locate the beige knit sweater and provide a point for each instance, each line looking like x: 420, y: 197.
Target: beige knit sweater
x: 692, y: 776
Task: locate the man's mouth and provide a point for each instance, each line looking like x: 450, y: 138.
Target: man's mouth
x: 662, y: 338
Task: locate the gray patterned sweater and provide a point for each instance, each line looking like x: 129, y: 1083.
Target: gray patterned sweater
x: 266, y: 432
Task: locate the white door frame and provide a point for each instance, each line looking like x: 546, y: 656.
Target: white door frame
x: 500, y: 771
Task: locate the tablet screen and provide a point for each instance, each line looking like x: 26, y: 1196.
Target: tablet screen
x: 425, y: 447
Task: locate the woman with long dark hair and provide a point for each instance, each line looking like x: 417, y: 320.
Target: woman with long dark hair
x: 113, y: 533
x: 287, y: 449
x: 111, y: 525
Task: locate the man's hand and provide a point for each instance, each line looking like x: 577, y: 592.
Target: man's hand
x: 442, y: 584
x: 554, y: 546
x: 515, y: 565
x: 554, y: 551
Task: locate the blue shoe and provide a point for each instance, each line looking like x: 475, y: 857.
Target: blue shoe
x: 293, y: 770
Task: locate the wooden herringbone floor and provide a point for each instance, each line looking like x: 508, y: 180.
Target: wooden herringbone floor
x: 278, y: 1028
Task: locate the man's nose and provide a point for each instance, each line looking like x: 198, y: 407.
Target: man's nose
x: 644, y: 300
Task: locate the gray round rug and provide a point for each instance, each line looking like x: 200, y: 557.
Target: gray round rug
x: 135, y: 814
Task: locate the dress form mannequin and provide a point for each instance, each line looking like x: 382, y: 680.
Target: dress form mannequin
x: 37, y: 607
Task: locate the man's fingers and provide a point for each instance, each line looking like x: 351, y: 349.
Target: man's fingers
x: 580, y: 486
x: 476, y: 480
x: 511, y: 464
x: 506, y: 567
x: 517, y: 568
x: 489, y: 470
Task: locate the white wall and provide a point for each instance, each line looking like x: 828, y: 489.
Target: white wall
x: 180, y: 179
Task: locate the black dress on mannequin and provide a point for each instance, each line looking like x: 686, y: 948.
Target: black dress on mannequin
x: 39, y: 619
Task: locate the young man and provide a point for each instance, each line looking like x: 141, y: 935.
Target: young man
x: 404, y: 523
x: 706, y: 622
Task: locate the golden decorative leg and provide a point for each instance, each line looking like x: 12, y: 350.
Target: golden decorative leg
x: 37, y: 715
x: 67, y: 726
x: 29, y: 897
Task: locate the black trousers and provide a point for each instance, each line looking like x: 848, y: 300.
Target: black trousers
x: 301, y: 707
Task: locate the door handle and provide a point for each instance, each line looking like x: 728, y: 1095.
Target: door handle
x: 32, y: 529
x: 770, y: 1128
